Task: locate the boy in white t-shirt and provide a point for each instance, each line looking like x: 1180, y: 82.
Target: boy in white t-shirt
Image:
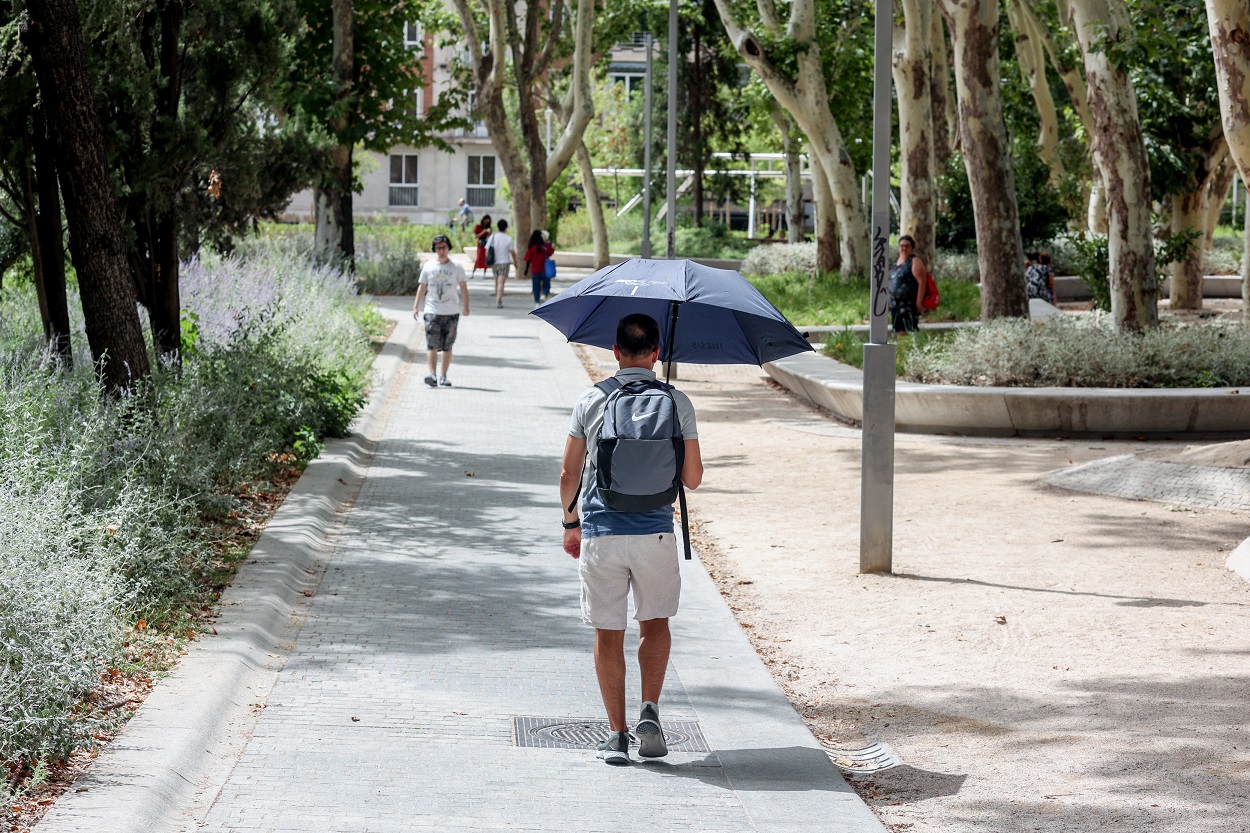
x: 441, y: 297
x: 505, y: 258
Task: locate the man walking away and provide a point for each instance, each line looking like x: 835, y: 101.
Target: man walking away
x: 441, y: 296
x: 504, y: 247
x: 620, y: 551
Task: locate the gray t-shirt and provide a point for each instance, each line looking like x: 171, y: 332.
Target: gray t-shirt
x: 597, y: 519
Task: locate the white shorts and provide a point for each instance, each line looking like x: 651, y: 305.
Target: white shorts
x: 610, y: 565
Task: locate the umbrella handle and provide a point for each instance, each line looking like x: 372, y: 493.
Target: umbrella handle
x: 672, y: 334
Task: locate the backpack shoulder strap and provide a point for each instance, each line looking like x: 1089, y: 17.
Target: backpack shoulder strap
x: 610, y: 384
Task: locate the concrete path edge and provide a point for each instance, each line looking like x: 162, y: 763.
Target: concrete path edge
x: 165, y: 769
x: 1222, y: 413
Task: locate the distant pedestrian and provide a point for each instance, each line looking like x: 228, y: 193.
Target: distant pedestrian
x: 1040, y: 278
x: 480, y: 233
x: 908, y: 279
x: 463, y: 215
x: 536, y: 254
x: 504, y: 247
x: 442, y: 296
x: 620, y: 551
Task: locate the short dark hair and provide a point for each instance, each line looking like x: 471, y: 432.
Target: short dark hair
x: 503, y: 225
x: 909, y: 239
x: 637, y: 334
x: 440, y: 238
x: 1044, y: 258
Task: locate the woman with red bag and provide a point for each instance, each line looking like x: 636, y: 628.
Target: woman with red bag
x: 536, y: 256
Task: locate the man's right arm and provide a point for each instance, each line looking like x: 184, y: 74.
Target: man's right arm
x: 570, y: 485
x: 416, y: 305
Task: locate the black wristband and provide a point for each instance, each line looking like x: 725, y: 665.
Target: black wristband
x: 571, y: 524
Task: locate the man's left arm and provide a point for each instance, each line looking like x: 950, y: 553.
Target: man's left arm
x: 464, y: 294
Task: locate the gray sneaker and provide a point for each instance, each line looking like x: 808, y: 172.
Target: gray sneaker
x: 443, y: 382
x: 650, y: 736
x: 431, y: 380
x: 615, y: 750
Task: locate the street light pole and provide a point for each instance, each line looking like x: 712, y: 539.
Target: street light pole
x: 671, y: 218
x: 645, y: 249
x: 876, y: 504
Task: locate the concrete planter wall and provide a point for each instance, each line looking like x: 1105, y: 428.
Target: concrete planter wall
x: 1003, y: 412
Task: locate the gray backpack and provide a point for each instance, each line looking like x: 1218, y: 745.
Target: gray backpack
x: 641, y: 449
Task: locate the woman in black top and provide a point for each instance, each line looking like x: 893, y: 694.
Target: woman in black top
x: 907, y: 282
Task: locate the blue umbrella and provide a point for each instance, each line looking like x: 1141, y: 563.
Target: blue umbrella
x: 706, y: 315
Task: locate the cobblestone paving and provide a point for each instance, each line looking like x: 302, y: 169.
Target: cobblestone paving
x: 1127, y: 476
x: 448, y: 608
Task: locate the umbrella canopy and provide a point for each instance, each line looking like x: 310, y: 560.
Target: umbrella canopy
x: 721, y: 318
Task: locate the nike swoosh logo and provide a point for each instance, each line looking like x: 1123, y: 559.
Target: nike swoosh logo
x: 641, y: 417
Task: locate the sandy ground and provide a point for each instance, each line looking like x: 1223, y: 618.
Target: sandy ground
x: 1039, y: 660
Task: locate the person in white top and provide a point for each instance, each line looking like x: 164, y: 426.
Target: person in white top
x: 505, y: 257
x: 441, y: 297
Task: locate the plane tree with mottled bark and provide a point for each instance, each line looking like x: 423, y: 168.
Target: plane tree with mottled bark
x: 1120, y: 155
x: 974, y: 29
x: 1229, y: 25
x: 514, y: 50
x: 804, y: 58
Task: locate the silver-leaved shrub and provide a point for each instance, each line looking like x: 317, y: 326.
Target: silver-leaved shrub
x: 102, y: 500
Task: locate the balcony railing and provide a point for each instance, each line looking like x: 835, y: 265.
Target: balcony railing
x: 477, y: 131
x: 480, y: 196
x: 402, y: 196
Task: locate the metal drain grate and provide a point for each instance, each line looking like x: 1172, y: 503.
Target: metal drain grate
x: 566, y: 733
x: 873, y: 756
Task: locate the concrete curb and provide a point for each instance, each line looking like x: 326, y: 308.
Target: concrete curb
x: 166, y: 768
x: 1221, y: 413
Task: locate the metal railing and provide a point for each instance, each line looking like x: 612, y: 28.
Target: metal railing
x: 403, y: 195
x: 480, y: 196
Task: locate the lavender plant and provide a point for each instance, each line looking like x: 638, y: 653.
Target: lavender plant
x: 101, y: 499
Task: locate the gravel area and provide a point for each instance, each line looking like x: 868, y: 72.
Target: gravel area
x: 1039, y: 660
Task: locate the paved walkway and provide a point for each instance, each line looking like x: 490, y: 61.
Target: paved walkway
x: 1128, y: 476
x: 448, y: 611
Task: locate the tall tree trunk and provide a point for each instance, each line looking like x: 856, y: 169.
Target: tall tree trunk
x: 794, y: 174
x: 987, y: 157
x: 48, y: 244
x: 1229, y: 21
x: 805, y: 97
x: 942, y: 103
x: 1245, y: 269
x: 1031, y: 56
x: 504, y: 60
x: 335, y: 234
x: 1120, y: 153
x: 911, y: 67
x: 598, y: 228
x: 828, y: 255
x: 1217, y: 195
x: 1072, y: 71
x: 53, y: 32
x: 1191, y: 210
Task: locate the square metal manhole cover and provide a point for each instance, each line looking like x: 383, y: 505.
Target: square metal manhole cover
x: 572, y: 733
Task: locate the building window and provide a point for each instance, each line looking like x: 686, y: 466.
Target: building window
x: 404, y: 190
x: 413, y: 36
x: 481, y: 190
x: 419, y: 102
x: 632, y: 81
